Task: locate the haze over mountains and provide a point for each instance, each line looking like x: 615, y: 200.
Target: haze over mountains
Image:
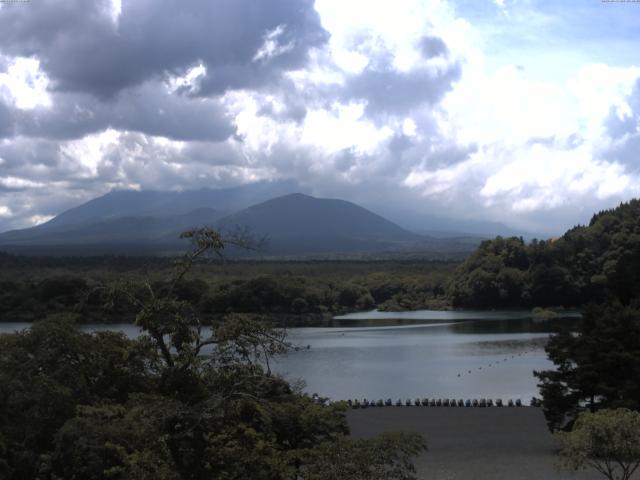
x: 149, y: 222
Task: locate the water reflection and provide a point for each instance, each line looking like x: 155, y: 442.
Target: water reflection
x: 425, y: 354
x: 414, y: 354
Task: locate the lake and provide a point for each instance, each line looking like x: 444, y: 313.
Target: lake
x: 461, y: 354
x: 447, y: 354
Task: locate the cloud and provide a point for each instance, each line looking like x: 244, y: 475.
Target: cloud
x: 435, y: 106
x: 150, y: 108
x: 6, y: 121
x: 433, y: 47
x: 387, y: 90
x: 82, y: 48
x: 5, y: 211
x: 23, y: 84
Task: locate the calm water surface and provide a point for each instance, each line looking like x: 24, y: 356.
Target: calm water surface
x: 461, y: 354
x: 424, y: 353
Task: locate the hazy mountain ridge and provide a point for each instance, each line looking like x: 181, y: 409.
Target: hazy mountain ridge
x: 299, y: 224
x: 298, y: 214
x: 121, y: 203
x: 131, y: 222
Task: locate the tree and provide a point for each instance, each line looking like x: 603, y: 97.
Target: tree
x: 387, y: 457
x: 191, y: 398
x: 50, y: 369
x: 607, y: 440
x: 597, y: 368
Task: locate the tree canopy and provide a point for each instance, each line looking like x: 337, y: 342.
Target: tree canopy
x: 188, y: 399
x: 596, y: 367
x: 608, y: 441
x: 587, y: 264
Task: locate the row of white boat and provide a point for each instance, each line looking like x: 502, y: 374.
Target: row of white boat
x: 440, y: 402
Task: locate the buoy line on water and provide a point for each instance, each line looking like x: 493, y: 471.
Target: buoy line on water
x: 495, y: 363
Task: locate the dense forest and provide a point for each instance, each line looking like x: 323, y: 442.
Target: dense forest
x: 307, y: 291
x: 597, y: 267
x: 178, y: 402
x: 587, y: 264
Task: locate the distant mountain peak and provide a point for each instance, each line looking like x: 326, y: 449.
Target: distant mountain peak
x: 295, y: 223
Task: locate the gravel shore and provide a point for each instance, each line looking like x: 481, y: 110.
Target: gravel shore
x: 472, y: 443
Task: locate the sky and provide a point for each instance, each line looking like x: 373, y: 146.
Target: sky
x: 523, y: 112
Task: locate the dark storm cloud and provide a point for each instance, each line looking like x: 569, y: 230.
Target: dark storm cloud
x: 22, y: 154
x: 83, y: 50
x: 149, y: 109
x: 44, y: 180
x: 400, y: 143
x: 41, y: 165
x: 433, y: 47
x: 6, y: 121
x: 390, y: 91
x: 386, y: 90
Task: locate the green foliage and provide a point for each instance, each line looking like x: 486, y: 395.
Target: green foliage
x: 607, y: 440
x: 387, y: 457
x: 189, y: 399
x: 586, y: 264
x: 295, y: 292
x: 596, y: 368
x: 47, y: 371
x: 114, y: 441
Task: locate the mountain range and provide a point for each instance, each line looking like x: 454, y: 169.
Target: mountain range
x: 149, y: 222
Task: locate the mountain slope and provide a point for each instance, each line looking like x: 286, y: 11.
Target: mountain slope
x: 294, y: 224
x: 127, y: 203
x: 298, y: 214
x: 299, y: 223
x: 119, y: 230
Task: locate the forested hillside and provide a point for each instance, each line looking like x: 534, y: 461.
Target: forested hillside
x: 178, y: 402
x: 596, y: 267
x: 587, y: 264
